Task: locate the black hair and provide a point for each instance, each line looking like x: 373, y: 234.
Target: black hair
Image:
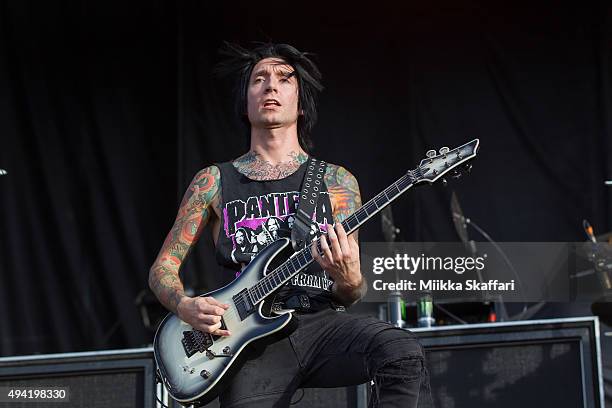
x: 240, y: 62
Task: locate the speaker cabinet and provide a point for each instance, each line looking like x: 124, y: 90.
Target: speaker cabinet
x: 118, y: 379
x: 546, y: 363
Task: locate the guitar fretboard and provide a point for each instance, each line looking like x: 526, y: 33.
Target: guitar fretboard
x: 302, y: 258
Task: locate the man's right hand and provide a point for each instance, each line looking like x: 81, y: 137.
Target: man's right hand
x: 203, y: 313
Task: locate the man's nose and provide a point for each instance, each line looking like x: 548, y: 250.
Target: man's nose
x: 272, y: 85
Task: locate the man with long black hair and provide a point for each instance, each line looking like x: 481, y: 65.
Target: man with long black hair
x: 276, y: 98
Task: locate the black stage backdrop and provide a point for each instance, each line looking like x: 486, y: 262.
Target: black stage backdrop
x: 88, y: 128
x: 107, y: 110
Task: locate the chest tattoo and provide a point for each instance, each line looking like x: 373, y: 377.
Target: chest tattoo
x: 254, y: 167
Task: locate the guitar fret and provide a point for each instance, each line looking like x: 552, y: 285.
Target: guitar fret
x: 352, y: 222
x: 269, y: 282
x: 307, y: 257
x: 269, y: 286
x: 363, y: 214
x: 394, y: 187
x: 279, y: 275
x: 348, y: 222
x: 257, y: 296
x: 250, y: 294
x: 359, y: 220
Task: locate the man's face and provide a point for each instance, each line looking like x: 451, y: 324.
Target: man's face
x: 272, y: 98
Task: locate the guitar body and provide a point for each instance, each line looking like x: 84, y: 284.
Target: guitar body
x: 201, y: 375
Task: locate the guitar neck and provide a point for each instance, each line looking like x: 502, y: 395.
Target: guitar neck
x: 302, y: 258
x: 384, y: 198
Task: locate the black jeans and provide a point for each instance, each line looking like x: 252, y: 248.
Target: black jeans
x: 332, y: 349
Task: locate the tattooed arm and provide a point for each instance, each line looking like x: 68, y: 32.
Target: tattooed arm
x: 193, y: 214
x: 341, y: 252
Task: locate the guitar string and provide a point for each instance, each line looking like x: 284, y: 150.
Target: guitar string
x: 396, y: 188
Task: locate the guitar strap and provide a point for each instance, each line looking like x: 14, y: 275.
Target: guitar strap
x: 304, y: 228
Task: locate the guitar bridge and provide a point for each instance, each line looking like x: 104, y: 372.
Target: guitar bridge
x: 196, y: 341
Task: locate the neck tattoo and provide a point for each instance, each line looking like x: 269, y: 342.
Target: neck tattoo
x: 254, y: 167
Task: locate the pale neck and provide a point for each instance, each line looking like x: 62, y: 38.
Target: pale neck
x: 275, y: 145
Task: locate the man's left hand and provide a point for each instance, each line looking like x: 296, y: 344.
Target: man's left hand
x: 340, y: 256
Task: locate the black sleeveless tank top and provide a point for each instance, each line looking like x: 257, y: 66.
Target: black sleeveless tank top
x: 256, y: 213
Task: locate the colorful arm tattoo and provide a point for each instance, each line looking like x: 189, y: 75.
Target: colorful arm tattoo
x: 346, y: 199
x: 193, y: 214
x: 343, y: 192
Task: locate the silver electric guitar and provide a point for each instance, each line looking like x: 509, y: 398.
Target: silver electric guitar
x: 194, y: 365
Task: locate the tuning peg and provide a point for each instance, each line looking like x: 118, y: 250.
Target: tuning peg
x: 468, y: 168
x: 430, y: 154
x: 456, y: 174
x: 444, y: 182
x: 444, y: 150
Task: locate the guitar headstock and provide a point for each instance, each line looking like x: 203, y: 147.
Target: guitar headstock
x: 446, y: 162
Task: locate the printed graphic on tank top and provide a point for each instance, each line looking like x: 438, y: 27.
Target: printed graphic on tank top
x: 256, y: 213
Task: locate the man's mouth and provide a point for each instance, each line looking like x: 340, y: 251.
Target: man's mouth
x: 270, y: 102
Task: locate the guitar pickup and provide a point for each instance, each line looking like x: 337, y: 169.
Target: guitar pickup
x: 243, y: 304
